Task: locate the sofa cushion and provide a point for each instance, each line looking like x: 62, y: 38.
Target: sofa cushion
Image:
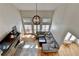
x: 45, y: 47
x: 52, y: 45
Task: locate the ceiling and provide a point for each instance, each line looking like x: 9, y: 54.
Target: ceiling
x: 40, y: 6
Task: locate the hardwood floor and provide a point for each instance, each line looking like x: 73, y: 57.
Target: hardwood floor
x: 41, y: 53
x: 64, y: 50
x: 71, y: 50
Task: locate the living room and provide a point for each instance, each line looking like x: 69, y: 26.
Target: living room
x: 55, y: 30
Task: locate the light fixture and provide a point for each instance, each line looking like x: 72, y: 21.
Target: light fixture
x: 36, y: 18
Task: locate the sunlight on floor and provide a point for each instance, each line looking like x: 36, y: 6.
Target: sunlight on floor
x: 30, y: 46
x: 36, y: 46
x: 26, y: 46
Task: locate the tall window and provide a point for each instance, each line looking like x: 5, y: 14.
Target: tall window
x: 34, y: 28
x: 28, y: 28
x: 27, y: 20
x: 45, y: 28
x: 46, y: 22
x: 27, y: 24
x: 38, y: 28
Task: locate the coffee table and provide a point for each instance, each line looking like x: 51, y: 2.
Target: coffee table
x: 41, y: 40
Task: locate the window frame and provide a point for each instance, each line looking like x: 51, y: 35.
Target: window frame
x: 42, y: 23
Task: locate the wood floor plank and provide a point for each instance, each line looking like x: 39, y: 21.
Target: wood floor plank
x: 71, y: 50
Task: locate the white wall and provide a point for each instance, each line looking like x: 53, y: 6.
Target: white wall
x: 66, y: 18
x: 9, y: 17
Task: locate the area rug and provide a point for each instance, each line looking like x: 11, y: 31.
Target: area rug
x: 28, y: 49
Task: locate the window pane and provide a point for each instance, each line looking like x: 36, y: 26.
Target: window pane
x: 45, y: 27
x: 38, y: 28
x: 27, y: 19
x: 28, y: 28
x: 34, y: 28
x: 46, y: 20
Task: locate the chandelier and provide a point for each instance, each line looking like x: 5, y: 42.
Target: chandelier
x: 36, y: 18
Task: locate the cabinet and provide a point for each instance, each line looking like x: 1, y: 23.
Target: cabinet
x: 13, y: 42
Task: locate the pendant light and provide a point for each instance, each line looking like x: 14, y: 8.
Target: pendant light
x: 36, y: 18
